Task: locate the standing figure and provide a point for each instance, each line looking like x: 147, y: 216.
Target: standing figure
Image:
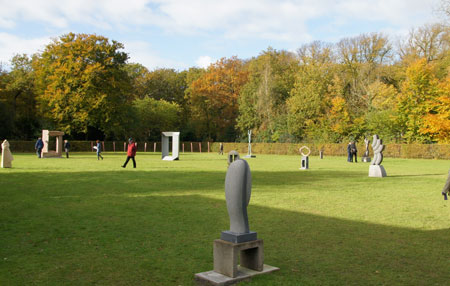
x: 131, y: 153
x: 221, y: 149
x: 354, y: 151
x: 66, y: 147
x: 99, y: 150
x: 7, y: 157
x: 446, y: 189
x: 38, y: 147
x: 349, y: 152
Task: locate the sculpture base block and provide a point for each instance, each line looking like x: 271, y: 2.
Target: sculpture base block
x: 238, y: 237
x: 170, y: 158
x: 377, y: 171
x: 366, y: 159
x: 250, y: 156
x: 214, y: 278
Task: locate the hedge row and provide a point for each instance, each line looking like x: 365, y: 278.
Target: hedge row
x: 426, y: 151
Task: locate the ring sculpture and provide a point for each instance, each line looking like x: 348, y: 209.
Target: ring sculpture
x: 301, y: 151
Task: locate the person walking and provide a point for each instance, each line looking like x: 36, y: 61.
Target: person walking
x: 38, y: 147
x: 66, y: 147
x: 221, y: 149
x: 131, y: 153
x: 99, y: 150
x: 354, y: 151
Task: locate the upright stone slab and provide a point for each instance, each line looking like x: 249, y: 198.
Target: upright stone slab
x: 7, y: 156
x: 165, y: 136
x: 46, y: 135
x: 239, y: 240
x: 375, y: 168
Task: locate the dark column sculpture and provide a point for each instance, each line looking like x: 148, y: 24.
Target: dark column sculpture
x: 446, y: 189
x: 238, y: 188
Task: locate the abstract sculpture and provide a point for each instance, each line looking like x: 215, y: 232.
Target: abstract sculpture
x: 233, y: 155
x: 366, y: 157
x: 175, y: 146
x: 446, y: 189
x: 238, y: 188
x: 239, y: 244
x: 305, y: 158
x: 7, y: 157
x: 249, y: 154
x: 46, y: 153
x: 376, y: 169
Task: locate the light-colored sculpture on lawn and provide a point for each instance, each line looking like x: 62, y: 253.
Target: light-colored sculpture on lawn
x: 7, y: 157
x: 175, y: 146
x: 305, y: 157
x: 446, y: 189
x: 46, y: 134
x: 365, y: 157
x: 375, y: 168
x: 249, y: 153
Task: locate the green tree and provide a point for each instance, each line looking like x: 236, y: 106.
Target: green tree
x: 155, y: 116
x: 82, y: 83
x: 262, y: 102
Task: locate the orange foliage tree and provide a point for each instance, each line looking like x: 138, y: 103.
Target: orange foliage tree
x: 213, y: 98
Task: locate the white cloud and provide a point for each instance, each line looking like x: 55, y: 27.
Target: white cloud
x: 204, y: 61
x: 11, y: 45
x: 142, y: 53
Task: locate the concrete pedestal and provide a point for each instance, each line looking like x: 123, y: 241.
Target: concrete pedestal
x: 377, y: 171
x: 250, y: 156
x: 226, y: 269
x: 365, y: 159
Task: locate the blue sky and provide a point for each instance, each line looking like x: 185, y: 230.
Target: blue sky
x: 185, y: 33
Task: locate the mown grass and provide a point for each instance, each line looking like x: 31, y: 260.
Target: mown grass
x: 80, y: 221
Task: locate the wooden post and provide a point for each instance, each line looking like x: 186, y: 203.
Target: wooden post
x: 103, y: 145
x: 200, y: 146
x: 92, y: 146
x: 183, y: 147
x: 208, y: 146
x: 191, y: 147
x: 114, y: 146
x: 154, y: 147
x: 124, y: 146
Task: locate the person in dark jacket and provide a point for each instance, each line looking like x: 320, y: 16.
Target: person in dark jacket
x: 349, y: 152
x: 131, y: 153
x: 38, y: 146
x: 99, y: 150
x: 354, y: 151
x: 66, y: 147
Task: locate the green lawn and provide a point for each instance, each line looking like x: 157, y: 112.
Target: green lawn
x: 80, y: 221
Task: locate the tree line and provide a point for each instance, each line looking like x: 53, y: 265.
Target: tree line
x: 83, y: 84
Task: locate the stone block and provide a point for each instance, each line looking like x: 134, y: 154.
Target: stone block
x: 212, y: 278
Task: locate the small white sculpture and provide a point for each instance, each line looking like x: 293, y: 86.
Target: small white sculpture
x: 7, y: 157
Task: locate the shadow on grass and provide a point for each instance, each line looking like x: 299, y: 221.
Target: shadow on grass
x: 108, y: 234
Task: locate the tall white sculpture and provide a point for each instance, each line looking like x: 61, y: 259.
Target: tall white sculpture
x: 375, y: 168
x: 7, y: 157
x: 249, y: 154
x: 175, y: 146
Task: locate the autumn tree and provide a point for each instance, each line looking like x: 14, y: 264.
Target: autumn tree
x: 82, y: 83
x: 213, y: 98
x: 262, y: 102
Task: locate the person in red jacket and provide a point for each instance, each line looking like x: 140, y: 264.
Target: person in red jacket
x: 131, y: 153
